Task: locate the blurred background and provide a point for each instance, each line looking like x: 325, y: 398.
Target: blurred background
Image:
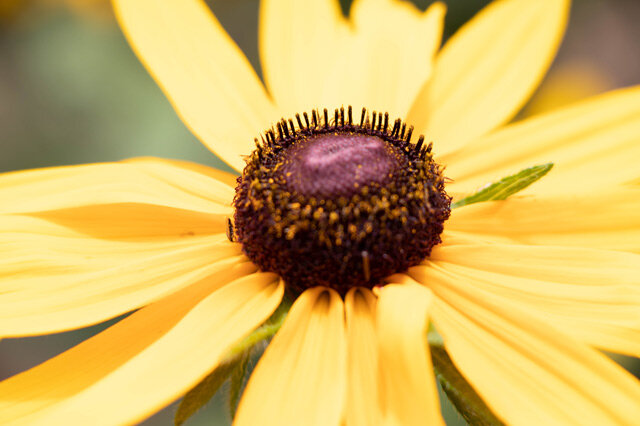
x: 71, y: 91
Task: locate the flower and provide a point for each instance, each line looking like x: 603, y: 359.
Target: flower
x: 521, y: 290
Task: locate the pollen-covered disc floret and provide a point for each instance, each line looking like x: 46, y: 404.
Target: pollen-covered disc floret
x: 326, y: 200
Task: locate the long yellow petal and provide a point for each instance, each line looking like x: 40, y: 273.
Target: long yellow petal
x: 379, y: 59
x: 203, y: 73
x: 572, y: 265
x: 455, y: 238
x: 41, y: 304
x: 78, y: 368
x: 130, y: 222
x: 488, y: 70
x: 391, y: 55
x: 197, y: 179
x: 407, y: 389
x: 362, y: 405
x: 95, y: 241
x: 32, y: 246
x: 151, y: 181
x: 605, y: 220
x: 229, y: 179
x: 591, y: 294
x: 527, y: 372
x: 53, y: 278
x: 298, y: 43
x: 94, y: 238
x: 176, y: 362
x: 301, y: 378
x: 605, y: 315
x: 594, y: 146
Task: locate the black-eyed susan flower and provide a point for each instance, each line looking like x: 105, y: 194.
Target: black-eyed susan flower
x: 349, y: 212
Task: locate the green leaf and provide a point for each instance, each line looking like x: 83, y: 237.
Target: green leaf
x: 463, y: 397
x: 507, y: 186
x: 197, y: 397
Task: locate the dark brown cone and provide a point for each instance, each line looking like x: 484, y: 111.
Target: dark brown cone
x: 338, y: 204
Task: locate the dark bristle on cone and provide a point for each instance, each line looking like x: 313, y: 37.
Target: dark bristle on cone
x: 377, y: 123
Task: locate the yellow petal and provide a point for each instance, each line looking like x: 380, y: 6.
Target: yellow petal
x: 96, y: 241
x: 203, y: 181
x: 391, y: 55
x: 605, y: 315
x: 152, y: 181
x: 378, y: 60
x: 455, y: 238
x: 362, y: 406
x: 407, y: 388
x: 33, y: 247
x: 203, y: 73
x: 488, y: 70
x: 74, y: 301
x: 301, y: 378
x: 570, y: 265
x: 52, y: 279
x: 298, y: 43
x: 219, y: 175
x: 78, y: 368
x: 594, y: 146
x: 606, y: 220
x: 526, y: 371
x: 131, y: 222
x: 177, y: 361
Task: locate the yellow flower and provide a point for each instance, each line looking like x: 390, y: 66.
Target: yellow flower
x: 521, y: 290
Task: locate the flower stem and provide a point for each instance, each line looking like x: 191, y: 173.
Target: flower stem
x: 463, y: 397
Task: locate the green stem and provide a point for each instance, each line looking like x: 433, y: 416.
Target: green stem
x: 463, y: 397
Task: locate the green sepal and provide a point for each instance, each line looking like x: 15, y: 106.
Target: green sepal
x: 506, y: 186
x: 462, y: 396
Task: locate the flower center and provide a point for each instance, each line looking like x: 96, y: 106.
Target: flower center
x: 335, y: 164
x: 341, y: 204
